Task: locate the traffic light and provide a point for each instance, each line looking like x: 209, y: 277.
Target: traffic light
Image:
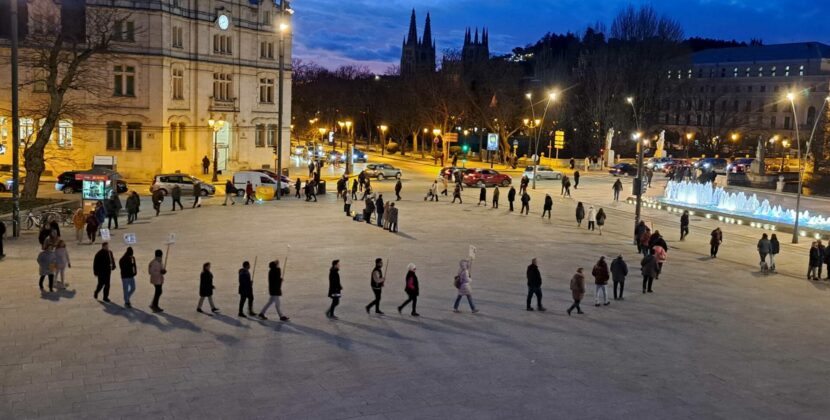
x: 465, y: 148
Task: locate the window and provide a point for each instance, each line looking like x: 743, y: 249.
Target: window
x: 133, y: 136
x: 699, y: 119
x: 723, y: 105
x: 222, y: 87
x: 679, y: 74
x: 748, y: 70
x: 775, y: 88
x: 689, y: 105
x: 39, y: 81
x: 763, y: 88
x: 786, y: 123
x: 266, y: 90
x: 700, y: 73
x: 113, y: 135
x: 174, y: 141
x: 774, y: 107
x: 748, y: 106
x: 266, y: 17
x: 266, y: 50
x: 711, y: 73
x: 735, y: 106
x: 772, y: 121
x: 801, y: 70
x: 760, y: 72
x: 65, y: 134
x: 666, y: 119
x: 786, y: 71
x: 669, y: 75
x: 759, y: 121
x: 123, y: 31
x: 735, y: 72
x: 676, y: 119
x: 177, y: 87
x: 689, y: 74
x: 272, y: 135
x: 222, y: 44
x: 259, y: 135
x: 26, y: 130
x: 749, y: 88
x: 723, y: 72
x: 178, y: 38
x: 182, y: 137
x: 124, y: 80
x: 688, y: 119
x: 772, y: 71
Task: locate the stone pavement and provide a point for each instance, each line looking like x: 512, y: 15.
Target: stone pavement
x: 716, y: 340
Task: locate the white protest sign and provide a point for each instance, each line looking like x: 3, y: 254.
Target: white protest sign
x: 130, y: 239
x: 105, y: 234
x: 472, y: 252
x: 171, y: 239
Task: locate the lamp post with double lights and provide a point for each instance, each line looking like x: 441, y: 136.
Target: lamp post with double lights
x: 215, y: 126
x: 284, y: 30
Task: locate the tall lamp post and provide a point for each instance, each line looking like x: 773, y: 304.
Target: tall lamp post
x: 215, y: 126
x: 349, y: 147
x: 539, y: 123
x: 424, y: 142
x: 791, y: 98
x: 638, y: 181
x: 383, y: 129
x: 283, y: 31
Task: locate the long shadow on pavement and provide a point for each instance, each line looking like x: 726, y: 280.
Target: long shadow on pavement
x: 337, y: 340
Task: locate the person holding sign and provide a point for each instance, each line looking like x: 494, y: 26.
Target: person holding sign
x: 274, y: 291
x: 462, y: 283
x: 376, y: 282
x: 157, y: 271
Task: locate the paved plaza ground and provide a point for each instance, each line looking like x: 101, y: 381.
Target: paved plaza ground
x: 716, y: 340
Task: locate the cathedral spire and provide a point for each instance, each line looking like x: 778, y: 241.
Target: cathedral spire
x: 413, y: 31
x: 427, y: 32
x: 475, y: 40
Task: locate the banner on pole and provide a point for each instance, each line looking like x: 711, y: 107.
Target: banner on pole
x: 492, y: 141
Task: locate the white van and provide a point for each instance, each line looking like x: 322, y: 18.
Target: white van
x: 240, y: 181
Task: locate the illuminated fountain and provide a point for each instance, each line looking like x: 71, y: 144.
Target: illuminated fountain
x: 705, y: 196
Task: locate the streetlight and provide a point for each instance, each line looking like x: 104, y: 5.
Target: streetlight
x: 215, y: 125
x: 383, y: 129
x: 424, y: 142
x: 791, y: 98
x: 284, y: 29
x: 538, y: 122
x: 349, y: 147
x: 638, y: 181
x: 689, y: 137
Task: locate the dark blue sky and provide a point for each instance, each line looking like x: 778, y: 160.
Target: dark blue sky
x: 370, y: 32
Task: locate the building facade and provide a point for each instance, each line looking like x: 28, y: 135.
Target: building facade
x: 418, y: 55
x: 175, y: 65
x: 741, y: 93
x: 475, y: 51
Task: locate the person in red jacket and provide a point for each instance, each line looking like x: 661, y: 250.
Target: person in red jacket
x: 601, y: 275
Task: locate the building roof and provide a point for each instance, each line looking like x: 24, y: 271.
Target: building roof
x: 775, y: 52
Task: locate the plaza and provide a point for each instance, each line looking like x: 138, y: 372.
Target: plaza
x: 717, y: 339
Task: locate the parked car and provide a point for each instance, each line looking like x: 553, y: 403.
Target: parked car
x: 658, y: 164
x: 6, y: 180
x: 68, y: 184
x: 485, y: 178
x: 382, y: 170
x: 165, y: 183
x: 286, y: 181
x: 670, y: 166
x: 358, y: 156
x: 718, y: 165
x: 257, y: 179
x: 542, y: 172
x: 623, y: 169
x: 739, y: 165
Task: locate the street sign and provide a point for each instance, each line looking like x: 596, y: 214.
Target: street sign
x: 450, y: 137
x: 559, y: 139
x: 492, y: 141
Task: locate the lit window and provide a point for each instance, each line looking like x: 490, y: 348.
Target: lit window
x: 786, y: 71
x: 748, y: 70
x: 735, y: 72
x: 772, y: 71
x: 65, y: 134
x: 801, y: 70
x: 689, y: 74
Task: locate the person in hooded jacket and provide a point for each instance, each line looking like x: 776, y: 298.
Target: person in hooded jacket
x: 650, y: 270
x: 580, y: 214
x: 133, y: 205
x: 601, y: 276
x: 274, y: 290
x: 246, y: 290
x: 412, y: 290
x: 638, y: 232
x: 206, y: 289
x: 619, y: 269
x: 547, y: 206
x: 577, y: 291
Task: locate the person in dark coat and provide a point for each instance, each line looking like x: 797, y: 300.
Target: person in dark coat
x: 684, y: 225
x: 354, y: 189
x: 230, y: 193
x: 580, y: 214
x: 822, y: 252
x: 398, y: 188
x: 534, y: 286
x: 206, y: 288
x: 617, y: 187
x: 129, y: 270
x: 91, y: 227
x: 567, y: 185
x: 274, y: 291
x: 369, y: 209
x: 133, y: 204
x: 412, y: 290
x: 576, y: 180
x: 525, y: 203
x: 197, y: 194
x: 650, y: 270
x: 380, y: 209
x: 774, y: 249
x: 764, y: 247
x: 657, y: 240
x: 158, y: 198
x: 334, y: 288
x: 600, y: 219
x: 601, y: 275
x: 176, y: 195
x: 638, y: 233
x: 456, y: 194
x: 246, y: 290
x: 548, y: 206
x: 249, y: 193
x: 112, y: 206
x: 495, y: 197
x: 102, y: 266
x: 376, y: 282
x: 814, y: 262
x: 205, y: 165
x: 511, y: 196
x: 482, y: 197
x: 714, y: 242
x: 619, y: 269
x: 577, y: 291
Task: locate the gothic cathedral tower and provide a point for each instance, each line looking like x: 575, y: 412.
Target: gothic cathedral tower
x: 418, y: 56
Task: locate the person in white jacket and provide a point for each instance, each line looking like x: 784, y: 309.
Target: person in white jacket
x: 592, y: 218
x: 462, y: 283
x: 62, y: 257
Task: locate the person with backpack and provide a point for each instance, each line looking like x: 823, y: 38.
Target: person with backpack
x: 274, y: 291
x: 462, y: 284
x: 412, y: 290
x: 600, y: 273
x: 619, y: 269
x: 376, y: 281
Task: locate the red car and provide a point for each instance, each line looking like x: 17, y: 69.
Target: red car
x: 485, y: 178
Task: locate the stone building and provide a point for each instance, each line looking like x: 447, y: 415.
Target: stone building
x: 418, y: 55
x: 176, y: 65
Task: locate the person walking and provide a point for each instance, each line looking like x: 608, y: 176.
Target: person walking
x: 133, y: 205
x: 525, y: 204
x: 645, y: 239
x: 103, y: 264
x: 91, y: 227
x: 310, y: 168
x: 600, y: 219
x: 176, y: 195
x: 456, y: 194
x: 206, y: 289
x: 379, y: 207
x: 157, y: 198
x: 511, y: 196
x: 617, y: 187
x: 660, y: 255
x: 576, y: 180
x: 650, y: 270
x: 274, y: 291
x: 462, y: 281
x: 412, y: 290
x: 432, y: 192
x: 592, y: 218
x: 246, y: 290
x: 230, y: 193
x: 495, y: 197
x: 398, y: 188
x: 335, y: 288
x: 376, y: 281
x: 79, y: 221
x: 764, y: 249
x: 112, y: 206
x: 393, y: 218
x: 684, y: 225
x: 523, y: 184
x: 100, y: 213
x: 197, y: 194
x: 547, y: 206
x: 482, y: 197
x: 249, y: 193
x: 774, y: 249
x: 814, y: 262
x: 577, y: 291
x: 534, y: 286
x: 714, y: 242
x: 601, y: 275
x: 571, y: 163
x: 205, y: 165
x: 354, y: 188
x: 580, y: 214
x: 567, y: 187
x: 445, y: 183
x: 619, y: 269
x: 62, y: 262
x: 129, y: 270
x: 157, y: 270
x: 47, y: 264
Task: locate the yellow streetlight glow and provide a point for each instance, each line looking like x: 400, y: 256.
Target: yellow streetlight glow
x: 383, y: 128
x: 466, y: 132
x: 630, y: 99
x: 537, y: 122
x: 284, y: 27
x: 426, y: 130
x: 734, y: 136
x: 689, y: 136
x: 341, y: 124
x: 552, y: 96
x: 322, y: 130
x: 436, y: 131
x: 790, y: 96
x: 785, y: 143
x: 528, y: 95
x: 348, y: 124
x: 636, y: 135
x: 526, y: 121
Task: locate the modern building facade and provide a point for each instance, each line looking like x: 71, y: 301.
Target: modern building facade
x: 176, y: 65
x: 418, y: 55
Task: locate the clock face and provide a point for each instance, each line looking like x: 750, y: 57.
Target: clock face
x: 223, y: 22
